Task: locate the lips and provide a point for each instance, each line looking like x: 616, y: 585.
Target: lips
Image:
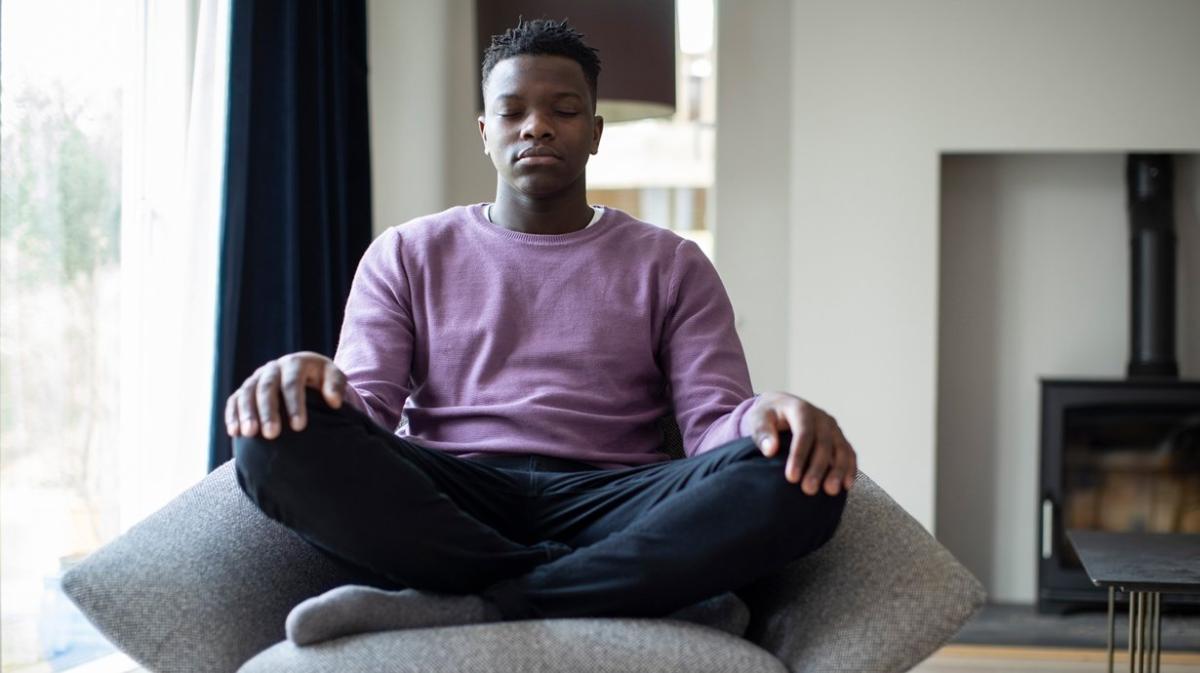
x: 538, y: 152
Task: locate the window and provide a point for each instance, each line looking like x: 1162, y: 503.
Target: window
x: 661, y: 170
x: 112, y: 131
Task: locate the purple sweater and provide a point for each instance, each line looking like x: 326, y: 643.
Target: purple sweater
x: 571, y: 345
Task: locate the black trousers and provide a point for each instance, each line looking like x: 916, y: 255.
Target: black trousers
x: 541, y: 537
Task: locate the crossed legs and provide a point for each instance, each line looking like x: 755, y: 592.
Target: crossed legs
x: 653, y: 539
x: 642, y: 541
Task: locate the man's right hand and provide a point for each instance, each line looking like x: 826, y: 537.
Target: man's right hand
x: 256, y: 403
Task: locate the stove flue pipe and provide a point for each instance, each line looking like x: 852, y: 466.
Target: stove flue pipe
x: 1150, y: 179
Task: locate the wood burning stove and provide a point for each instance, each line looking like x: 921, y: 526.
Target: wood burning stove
x: 1116, y: 456
x: 1123, y: 455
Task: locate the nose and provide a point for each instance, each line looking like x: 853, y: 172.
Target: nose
x: 537, y: 126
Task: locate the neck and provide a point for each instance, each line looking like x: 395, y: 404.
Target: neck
x: 560, y: 214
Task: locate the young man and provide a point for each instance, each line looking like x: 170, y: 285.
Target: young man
x: 536, y: 340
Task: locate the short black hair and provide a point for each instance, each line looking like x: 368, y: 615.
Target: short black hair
x: 543, y: 37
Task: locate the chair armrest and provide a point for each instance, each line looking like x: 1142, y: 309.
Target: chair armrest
x: 201, y: 585
x: 882, y: 595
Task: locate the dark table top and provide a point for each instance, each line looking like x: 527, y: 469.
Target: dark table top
x: 1167, y: 562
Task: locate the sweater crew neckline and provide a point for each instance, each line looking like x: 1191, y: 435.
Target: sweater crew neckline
x: 478, y: 216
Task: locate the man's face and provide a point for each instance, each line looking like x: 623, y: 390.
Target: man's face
x: 537, y: 123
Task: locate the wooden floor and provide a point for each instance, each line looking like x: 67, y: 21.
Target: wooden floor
x: 989, y: 659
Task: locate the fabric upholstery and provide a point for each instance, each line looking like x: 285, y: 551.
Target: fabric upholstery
x: 882, y: 595
x: 608, y: 645
x: 353, y: 610
x: 207, y: 582
x: 203, y: 584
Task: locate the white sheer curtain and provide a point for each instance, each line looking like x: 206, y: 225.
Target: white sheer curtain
x: 173, y: 166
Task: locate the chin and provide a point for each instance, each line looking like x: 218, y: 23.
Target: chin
x: 540, y: 187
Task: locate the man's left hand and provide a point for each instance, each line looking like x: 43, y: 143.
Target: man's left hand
x: 817, y: 442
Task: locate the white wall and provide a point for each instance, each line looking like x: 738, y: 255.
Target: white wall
x: 469, y: 174
x: 405, y: 84
x: 1034, y: 267
x: 752, y: 227
x: 425, y: 149
x: 880, y: 89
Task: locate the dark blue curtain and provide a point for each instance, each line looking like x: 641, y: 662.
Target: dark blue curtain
x: 297, y: 186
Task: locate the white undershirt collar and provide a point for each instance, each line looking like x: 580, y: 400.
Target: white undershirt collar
x: 597, y: 211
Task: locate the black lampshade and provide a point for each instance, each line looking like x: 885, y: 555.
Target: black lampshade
x: 635, y: 38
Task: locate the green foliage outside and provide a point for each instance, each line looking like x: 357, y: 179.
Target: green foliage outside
x: 60, y: 214
x: 61, y: 198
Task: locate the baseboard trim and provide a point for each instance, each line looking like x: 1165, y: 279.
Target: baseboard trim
x: 1054, y: 654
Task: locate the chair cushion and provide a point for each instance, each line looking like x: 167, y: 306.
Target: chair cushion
x: 619, y: 645
x: 205, y: 583
x: 882, y: 595
x: 202, y: 584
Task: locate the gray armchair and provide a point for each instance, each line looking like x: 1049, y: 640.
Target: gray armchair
x: 205, y: 584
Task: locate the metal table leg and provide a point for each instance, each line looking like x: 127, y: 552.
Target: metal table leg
x: 1132, y: 622
x: 1156, y: 633
x: 1145, y: 630
x: 1145, y: 619
x: 1111, y: 626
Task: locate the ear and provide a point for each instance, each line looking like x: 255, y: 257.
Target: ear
x: 597, y: 131
x: 483, y: 133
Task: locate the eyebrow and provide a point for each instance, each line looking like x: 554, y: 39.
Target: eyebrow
x: 561, y: 94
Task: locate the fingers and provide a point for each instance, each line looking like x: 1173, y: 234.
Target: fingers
x: 821, y: 455
x: 320, y: 373
x: 766, y: 432
x: 307, y: 373
x: 334, y: 385
x: 293, y: 390
x: 266, y: 393
x: 255, y: 405
x: 231, y: 415
x: 842, y: 455
x: 247, y: 414
x: 800, y: 420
